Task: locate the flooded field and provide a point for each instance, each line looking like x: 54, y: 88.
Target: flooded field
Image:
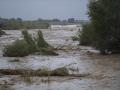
x: 101, y: 72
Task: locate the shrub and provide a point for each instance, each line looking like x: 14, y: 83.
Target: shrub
x: 47, y: 51
x: 75, y: 38
x: 17, y: 49
x: 60, y: 72
x: 41, y: 43
x: 28, y: 45
x: 2, y: 32
x: 31, y: 43
x: 15, y: 60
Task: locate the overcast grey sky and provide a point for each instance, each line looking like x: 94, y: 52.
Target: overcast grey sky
x: 46, y: 9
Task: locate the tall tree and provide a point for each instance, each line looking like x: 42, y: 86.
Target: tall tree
x: 105, y: 18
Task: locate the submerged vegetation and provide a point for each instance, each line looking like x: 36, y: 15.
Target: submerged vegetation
x: 30, y: 41
x: 28, y: 45
x: 63, y: 71
x: 77, y: 36
x: 19, y: 48
x: 40, y: 72
x: 2, y: 32
x: 41, y: 43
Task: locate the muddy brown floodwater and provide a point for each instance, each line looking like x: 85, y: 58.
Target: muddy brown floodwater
x: 104, y: 71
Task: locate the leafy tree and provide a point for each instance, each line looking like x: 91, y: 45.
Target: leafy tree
x: 105, y: 18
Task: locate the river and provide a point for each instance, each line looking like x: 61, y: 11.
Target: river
x: 104, y: 71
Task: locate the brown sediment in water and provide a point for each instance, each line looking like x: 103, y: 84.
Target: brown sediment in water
x: 40, y: 72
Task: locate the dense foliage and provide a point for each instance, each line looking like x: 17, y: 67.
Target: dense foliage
x: 87, y: 35
x: 105, y: 25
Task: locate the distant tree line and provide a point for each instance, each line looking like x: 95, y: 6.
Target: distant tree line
x: 68, y: 21
x: 18, y: 23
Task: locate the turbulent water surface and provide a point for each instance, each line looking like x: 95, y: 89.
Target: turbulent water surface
x: 104, y: 71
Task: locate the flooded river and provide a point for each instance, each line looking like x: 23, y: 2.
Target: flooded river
x: 104, y: 71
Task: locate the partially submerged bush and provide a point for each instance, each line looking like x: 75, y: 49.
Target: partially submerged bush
x: 75, y: 38
x: 31, y: 43
x: 17, y: 49
x: 28, y: 45
x: 41, y: 43
x: 2, y: 32
x: 60, y: 72
x: 48, y: 51
x: 40, y: 72
x: 15, y: 60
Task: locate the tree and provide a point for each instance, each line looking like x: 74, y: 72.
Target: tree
x: 71, y: 20
x: 105, y: 17
x: 87, y: 34
x: 56, y: 20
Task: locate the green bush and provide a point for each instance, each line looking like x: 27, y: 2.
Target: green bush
x: 75, y: 38
x: 28, y: 45
x: 17, y: 49
x: 2, y: 32
x: 30, y: 41
x: 41, y: 43
x: 48, y: 51
x: 60, y: 72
